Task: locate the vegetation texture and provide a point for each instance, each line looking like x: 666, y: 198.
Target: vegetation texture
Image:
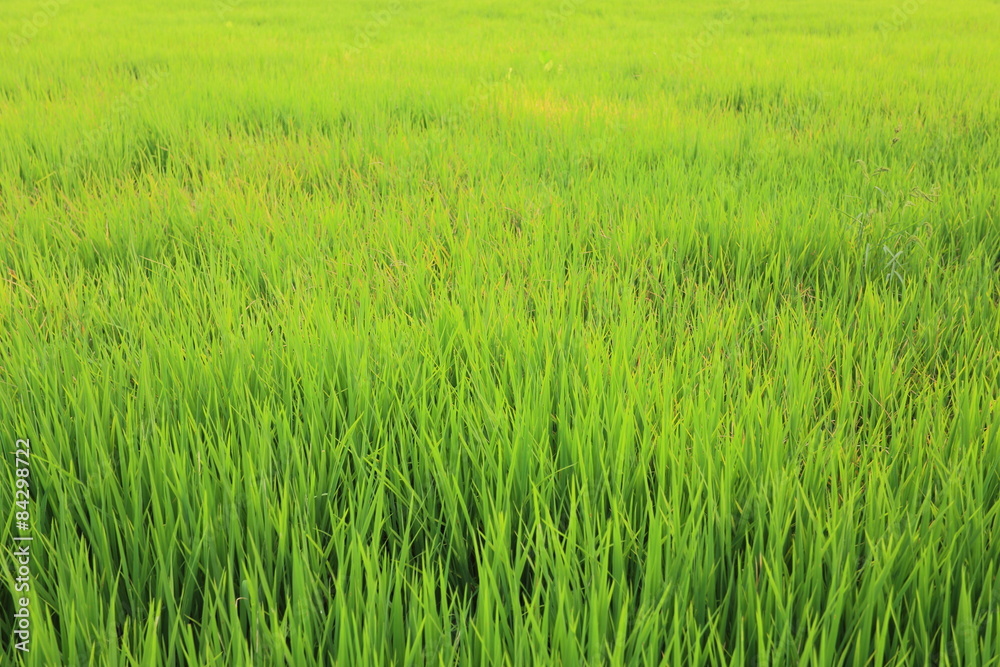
x: 502, y: 333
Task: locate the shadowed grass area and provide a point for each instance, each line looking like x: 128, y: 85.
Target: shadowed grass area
x: 416, y: 333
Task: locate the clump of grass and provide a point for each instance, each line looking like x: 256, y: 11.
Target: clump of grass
x: 884, y: 232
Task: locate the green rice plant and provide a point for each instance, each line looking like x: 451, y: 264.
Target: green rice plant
x: 322, y: 365
x: 883, y: 230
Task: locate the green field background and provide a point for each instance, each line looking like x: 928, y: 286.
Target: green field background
x: 503, y: 333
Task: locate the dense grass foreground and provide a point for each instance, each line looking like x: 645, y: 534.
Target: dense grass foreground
x: 428, y: 333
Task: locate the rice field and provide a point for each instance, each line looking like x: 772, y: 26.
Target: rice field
x: 417, y: 332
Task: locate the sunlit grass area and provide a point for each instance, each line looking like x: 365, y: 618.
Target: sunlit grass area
x: 426, y: 333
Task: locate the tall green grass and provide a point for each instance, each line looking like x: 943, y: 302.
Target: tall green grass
x: 508, y: 338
